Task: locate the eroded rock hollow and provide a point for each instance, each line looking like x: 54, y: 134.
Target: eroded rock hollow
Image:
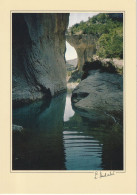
x: 38, y: 49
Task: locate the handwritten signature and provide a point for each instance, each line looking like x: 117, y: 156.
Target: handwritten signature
x: 100, y: 174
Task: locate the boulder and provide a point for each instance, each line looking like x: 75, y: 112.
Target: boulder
x: 100, y: 94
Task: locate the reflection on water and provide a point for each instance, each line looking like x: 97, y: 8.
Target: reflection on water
x: 69, y: 112
x: 55, y: 137
x: 82, y: 152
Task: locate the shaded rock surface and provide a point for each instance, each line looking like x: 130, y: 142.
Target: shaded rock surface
x: 101, y: 93
x: 38, y: 49
x: 104, y: 65
x: 85, y: 46
x: 118, y: 64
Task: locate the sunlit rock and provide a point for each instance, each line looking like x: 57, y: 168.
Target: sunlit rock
x: 85, y: 46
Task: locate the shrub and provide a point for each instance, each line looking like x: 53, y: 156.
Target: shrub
x: 108, y: 28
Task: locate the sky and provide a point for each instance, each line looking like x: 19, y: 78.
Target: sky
x: 73, y: 19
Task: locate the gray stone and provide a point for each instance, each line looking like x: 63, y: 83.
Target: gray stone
x: 85, y: 46
x: 38, y: 50
x: 100, y: 92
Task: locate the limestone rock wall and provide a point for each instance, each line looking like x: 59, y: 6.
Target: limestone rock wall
x: 85, y: 46
x: 38, y: 50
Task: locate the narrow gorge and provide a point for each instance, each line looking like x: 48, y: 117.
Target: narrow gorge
x: 67, y: 116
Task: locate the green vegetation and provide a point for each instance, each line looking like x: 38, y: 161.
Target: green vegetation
x: 108, y: 28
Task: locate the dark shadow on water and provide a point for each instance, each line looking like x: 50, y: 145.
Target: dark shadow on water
x: 56, y: 137
x: 110, y: 135
x: 40, y: 145
x: 104, y: 141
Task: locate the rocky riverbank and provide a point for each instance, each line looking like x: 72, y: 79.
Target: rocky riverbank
x: 100, y: 94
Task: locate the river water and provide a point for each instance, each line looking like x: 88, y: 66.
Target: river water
x: 57, y: 137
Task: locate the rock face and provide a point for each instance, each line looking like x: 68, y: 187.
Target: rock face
x: 38, y: 49
x: 85, y: 46
x: 101, y: 93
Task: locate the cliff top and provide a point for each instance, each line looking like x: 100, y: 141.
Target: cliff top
x: 107, y: 28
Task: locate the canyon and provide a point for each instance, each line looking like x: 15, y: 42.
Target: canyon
x: 39, y: 66
x: 66, y: 115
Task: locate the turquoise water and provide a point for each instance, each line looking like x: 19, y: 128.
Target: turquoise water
x: 57, y: 137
